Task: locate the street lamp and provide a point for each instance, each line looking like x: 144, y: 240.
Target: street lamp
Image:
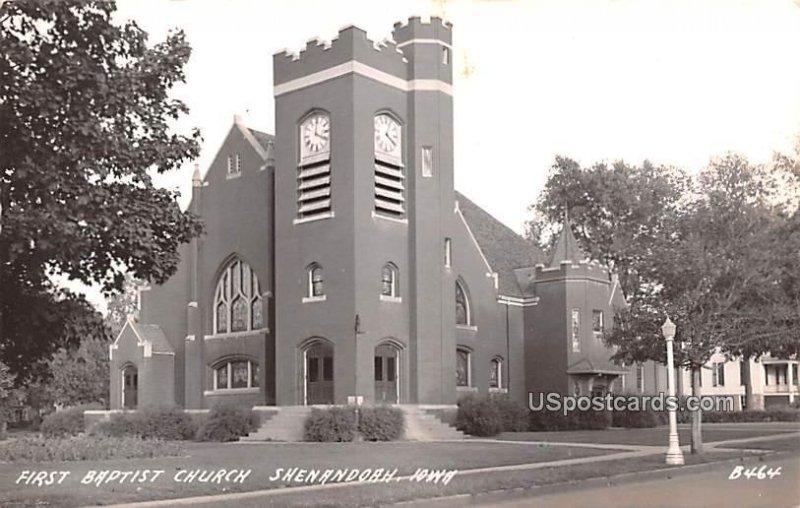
x: 674, y: 453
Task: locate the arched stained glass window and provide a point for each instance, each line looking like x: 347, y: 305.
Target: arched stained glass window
x: 496, y: 373
x: 236, y: 373
x: 463, y: 367
x: 462, y: 306
x: 237, y: 300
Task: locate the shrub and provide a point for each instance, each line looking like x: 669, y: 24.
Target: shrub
x: 167, y: 423
x: 67, y: 422
x: 576, y: 420
x: 635, y: 419
x: 228, y: 423
x: 381, y: 423
x: 333, y: 424
x: 72, y: 448
x: 773, y: 414
x: 488, y: 416
x: 513, y: 415
x: 478, y: 416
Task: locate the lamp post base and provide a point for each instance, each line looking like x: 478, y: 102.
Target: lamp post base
x: 675, y: 457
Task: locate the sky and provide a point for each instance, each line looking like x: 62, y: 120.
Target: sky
x: 675, y: 82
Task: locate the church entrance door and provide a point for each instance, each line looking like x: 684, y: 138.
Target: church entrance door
x: 130, y: 387
x: 386, y: 370
x: 319, y: 374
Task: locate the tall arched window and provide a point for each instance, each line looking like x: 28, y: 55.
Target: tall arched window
x: 389, y: 281
x: 237, y: 300
x: 463, y: 316
x: 463, y: 367
x: 316, y: 287
x: 496, y: 373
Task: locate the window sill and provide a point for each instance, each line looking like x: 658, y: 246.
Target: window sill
x: 322, y: 216
x: 233, y: 176
x: 467, y: 389
x: 312, y: 299
x: 468, y: 328
x: 236, y: 335
x: 392, y: 299
x: 232, y: 391
x: 498, y: 390
x: 376, y: 215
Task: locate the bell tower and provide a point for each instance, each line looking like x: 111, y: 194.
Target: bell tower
x: 363, y: 204
x: 427, y: 47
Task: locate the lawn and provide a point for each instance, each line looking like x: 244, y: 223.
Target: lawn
x: 647, y: 437
x: 466, y: 484
x: 263, y: 459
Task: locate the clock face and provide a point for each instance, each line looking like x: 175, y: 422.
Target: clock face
x: 387, y: 134
x: 316, y: 133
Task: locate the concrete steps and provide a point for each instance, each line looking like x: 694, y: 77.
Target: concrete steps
x: 423, y: 426
x: 286, y: 425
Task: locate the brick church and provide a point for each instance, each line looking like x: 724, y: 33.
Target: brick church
x: 338, y: 260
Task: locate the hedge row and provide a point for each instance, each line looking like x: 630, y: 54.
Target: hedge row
x: 223, y: 423
x: 75, y: 448
x: 167, y: 423
x: 67, y: 422
x: 778, y: 414
x: 338, y: 424
x: 488, y: 416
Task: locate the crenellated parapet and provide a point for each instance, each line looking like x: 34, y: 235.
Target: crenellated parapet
x: 419, y: 50
x: 417, y: 27
x: 587, y: 270
x: 350, y: 45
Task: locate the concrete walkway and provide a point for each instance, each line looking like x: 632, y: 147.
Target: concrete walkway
x: 268, y: 496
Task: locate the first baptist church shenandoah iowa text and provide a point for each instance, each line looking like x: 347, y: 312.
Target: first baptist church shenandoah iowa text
x: 339, y: 261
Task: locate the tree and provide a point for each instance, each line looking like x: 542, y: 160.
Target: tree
x: 702, y: 252
x: 80, y: 375
x: 619, y: 213
x: 85, y: 120
x: 122, y: 305
x: 760, y: 207
x: 6, y: 392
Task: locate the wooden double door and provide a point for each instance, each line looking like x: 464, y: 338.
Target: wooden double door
x: 319, y: 374
x: 387, y: 370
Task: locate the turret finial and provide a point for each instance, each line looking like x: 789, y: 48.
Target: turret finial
x: 196, y: 180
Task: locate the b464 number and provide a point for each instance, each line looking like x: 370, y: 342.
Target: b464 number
x: 757, y: 473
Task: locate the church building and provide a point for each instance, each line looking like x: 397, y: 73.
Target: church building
x: 338, y: 261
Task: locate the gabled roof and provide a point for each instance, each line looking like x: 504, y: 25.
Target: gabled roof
x: 149, y: 336
x: 263, y: 138
x: 503, y: 249
x: 567, y: 248
x: 585, y: 366
x: 155, y: 336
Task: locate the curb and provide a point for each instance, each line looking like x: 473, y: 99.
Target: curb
x: 499, y: 495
